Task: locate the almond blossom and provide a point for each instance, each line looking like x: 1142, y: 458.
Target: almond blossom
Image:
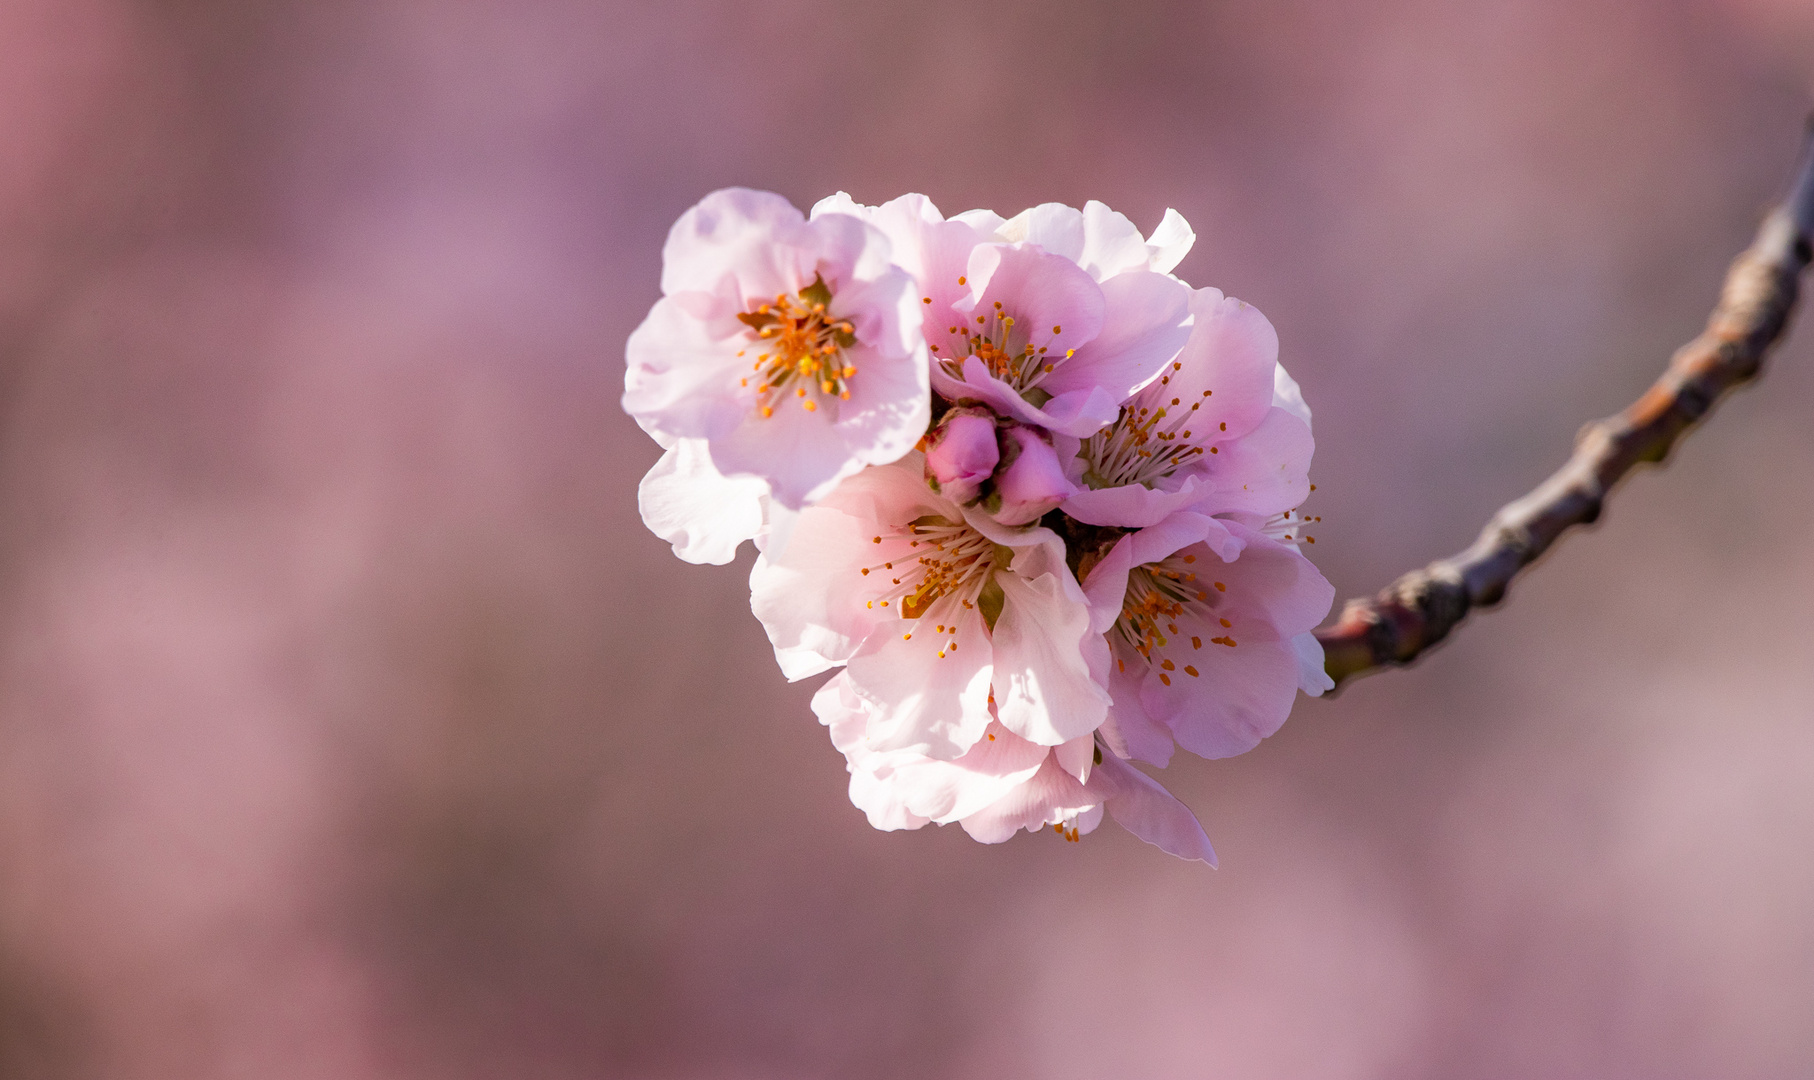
x: 1003, y: 784
x: 1208, y: 622
x: 1206, y: 435
x: 943, y: 616
x: 789, y: 347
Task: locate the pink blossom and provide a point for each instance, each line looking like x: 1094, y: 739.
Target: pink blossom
x: 789, y: 347
x: 1207, y: 620
x: 936, y: 609
x: 1206, y: 435
x: 1313, y: 673
x: 1003, y: 784
x: 932, y: 249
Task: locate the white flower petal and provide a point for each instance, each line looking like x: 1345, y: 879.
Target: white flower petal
x: 1044, y: 688
x: 1170, y: 242
x: 1111, y: 243
x: 1313, y: 677
x: 1286, y: 394
x: 924, y: 696
x: 988, y: 223
x: 945, y: 791
x: 1050, y: 797
x: 705, y: 515
x: 777, y: 528
x: 1053, y: 226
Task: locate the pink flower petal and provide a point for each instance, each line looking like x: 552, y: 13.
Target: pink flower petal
x: 1146, y: 321
x: 1142, y: 807
x: 961, y: 453
x: 1232, y: 352
x: 1228, y: 677
x: 1135, y: 506
x: 1266, y: 472
x: 1052, y: 301
x: 1076, y: 757
x: 1033, y: 481
x: 852, y: 389
x: 1137, y: 734
x: 1170, y: 242
x: 811, y: 598
x: 756, y: 238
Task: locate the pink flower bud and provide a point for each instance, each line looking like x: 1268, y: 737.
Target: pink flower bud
x: 962, y: 453
x: 1032, y: 480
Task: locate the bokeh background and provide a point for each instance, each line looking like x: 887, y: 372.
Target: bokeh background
x: 352, y: 726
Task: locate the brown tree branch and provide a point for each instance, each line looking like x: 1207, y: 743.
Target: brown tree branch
x: 1419, y: 609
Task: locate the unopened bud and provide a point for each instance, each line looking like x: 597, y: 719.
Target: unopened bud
x: 961, y: 453
x: 1031, y: 480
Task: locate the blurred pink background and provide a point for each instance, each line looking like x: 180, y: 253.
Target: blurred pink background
x: 352, y: 726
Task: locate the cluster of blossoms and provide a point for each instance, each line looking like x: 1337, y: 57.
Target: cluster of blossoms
x: 1034, y: 496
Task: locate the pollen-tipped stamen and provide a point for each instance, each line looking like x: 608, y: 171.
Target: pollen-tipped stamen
x: 936, y: 568
x: 1145, y: 443
x: 1010, y: 357
x: 804, y: 348
x: 1158, y: 595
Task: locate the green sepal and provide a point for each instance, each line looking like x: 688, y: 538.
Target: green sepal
x: 990, y: 602
x: 817, y: 293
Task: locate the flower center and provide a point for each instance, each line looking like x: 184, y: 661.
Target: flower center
x: 804, y: 349
x: 935, y: 566
x: 991, y: 338
x: 1158, y: 594
x: 1142, y: 445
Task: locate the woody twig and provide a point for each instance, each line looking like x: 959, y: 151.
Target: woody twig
x: 1417, y: 611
